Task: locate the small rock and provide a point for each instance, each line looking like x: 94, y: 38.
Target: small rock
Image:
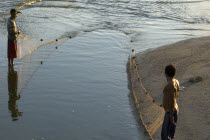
x: 196, y: 79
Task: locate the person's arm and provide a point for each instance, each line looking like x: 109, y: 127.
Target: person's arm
x: 171, y: 93
x: 178, y: 87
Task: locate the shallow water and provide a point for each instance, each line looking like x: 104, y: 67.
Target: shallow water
x: 81, y: 89
x: 73, y: 94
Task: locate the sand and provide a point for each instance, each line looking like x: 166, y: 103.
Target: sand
x: 192, y: 59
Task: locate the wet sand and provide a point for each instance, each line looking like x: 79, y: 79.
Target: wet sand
x: 192, y: 59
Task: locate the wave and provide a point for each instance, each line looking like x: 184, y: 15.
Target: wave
x: 21, y: 5
x: 54, y: 6
x: 192, y: 20
x: 176, y: 1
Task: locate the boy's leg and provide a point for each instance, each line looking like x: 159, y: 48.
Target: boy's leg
x: 172, y: 127
x: 164, y: 132
x: 9, y: 61
x: 12, y: 61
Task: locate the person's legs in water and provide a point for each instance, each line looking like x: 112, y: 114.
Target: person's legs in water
x: 10, y: 61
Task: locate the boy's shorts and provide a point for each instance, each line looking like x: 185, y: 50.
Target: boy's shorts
x: 12, y: 49
x: 168, y: 130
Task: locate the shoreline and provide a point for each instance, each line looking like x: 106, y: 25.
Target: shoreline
x: 192, y: 59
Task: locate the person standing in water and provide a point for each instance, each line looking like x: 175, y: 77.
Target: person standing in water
x: 170, y: 94
x: 12, y: 50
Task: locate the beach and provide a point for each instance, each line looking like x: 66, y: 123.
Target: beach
x: 192, y: 60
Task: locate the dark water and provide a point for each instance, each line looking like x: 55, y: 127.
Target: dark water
x: 81, y: 89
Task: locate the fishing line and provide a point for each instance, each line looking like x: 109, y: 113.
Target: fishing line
x: 28, y: 66
x: 27, y: 44
x: 143, y: 99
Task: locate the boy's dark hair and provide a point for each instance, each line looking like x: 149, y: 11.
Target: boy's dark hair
x: 170, y: 70
x: 14, y: 11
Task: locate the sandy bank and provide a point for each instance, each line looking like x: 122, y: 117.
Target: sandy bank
x: 191, y: 58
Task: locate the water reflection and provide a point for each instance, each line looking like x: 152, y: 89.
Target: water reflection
x: 13, y: 96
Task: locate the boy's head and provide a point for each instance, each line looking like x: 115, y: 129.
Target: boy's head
x: 14, y: 12
x: 170, y: 70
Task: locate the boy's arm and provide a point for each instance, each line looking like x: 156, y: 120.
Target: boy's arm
x: 177, y: 87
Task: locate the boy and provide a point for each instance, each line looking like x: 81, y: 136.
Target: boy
x: 170, y: 94
x: 12, y: 51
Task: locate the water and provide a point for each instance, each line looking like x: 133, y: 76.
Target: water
x: 81, y: 90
